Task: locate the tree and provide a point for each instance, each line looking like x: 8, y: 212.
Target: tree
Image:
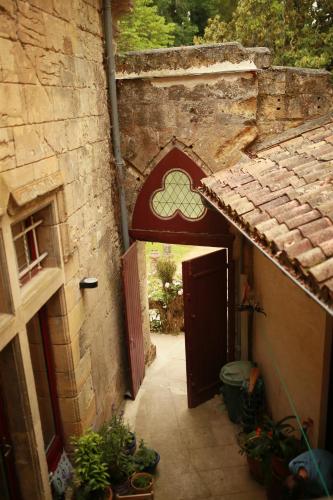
x: 144, y: 28
x: 191, y: 16
x: 300, y: 32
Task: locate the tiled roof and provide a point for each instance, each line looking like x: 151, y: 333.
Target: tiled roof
x: 283, y: 199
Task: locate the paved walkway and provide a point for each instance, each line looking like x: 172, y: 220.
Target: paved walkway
x: 199, y: 454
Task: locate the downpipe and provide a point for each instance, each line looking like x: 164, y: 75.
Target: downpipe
x: 112, y: 90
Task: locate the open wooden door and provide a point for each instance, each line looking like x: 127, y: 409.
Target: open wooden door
x: 134, y: 332
x: 206, y: 323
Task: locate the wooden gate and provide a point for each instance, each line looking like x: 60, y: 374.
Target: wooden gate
x: 134, y: 332
x: 206, y: 323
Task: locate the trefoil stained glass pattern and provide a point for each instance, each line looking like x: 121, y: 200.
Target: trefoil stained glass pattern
x: 177, y: 196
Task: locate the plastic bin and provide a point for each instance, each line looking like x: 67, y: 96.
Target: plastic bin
x: 233, y: 375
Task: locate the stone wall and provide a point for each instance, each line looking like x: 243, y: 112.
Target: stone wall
x: 54, y: 121
x: 211, y: 101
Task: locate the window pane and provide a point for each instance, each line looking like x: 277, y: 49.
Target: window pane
x: 177, y: 196
x: 41, y: 380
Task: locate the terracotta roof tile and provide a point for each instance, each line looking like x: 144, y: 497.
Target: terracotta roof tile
x: 319, y: 235
x: 323, y: 271
x: 297, y: 248
x: 284, y: 196
x: 284, y: 240
x: 310, y: 258
x: 290, y: 213
x: 327, y: 247
x: 276, y: 231
x: 302, y: 219
x: 284, y: 206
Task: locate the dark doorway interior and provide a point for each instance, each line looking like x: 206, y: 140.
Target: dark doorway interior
x: 8, y: 481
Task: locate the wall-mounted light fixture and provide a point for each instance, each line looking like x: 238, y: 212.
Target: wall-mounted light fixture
x: 89, y: 283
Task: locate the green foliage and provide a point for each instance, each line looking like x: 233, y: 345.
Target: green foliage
x: 142, y: 482
x: 191, y: 16
x: 166, y: 269
x: 256, y: 444
x: 284, y: 443
x: 144, y: 28
x: 299, y: 33
x: 272, y: 438
x: 91, y: 471
x: 116, y: 436
x: 144, y: 457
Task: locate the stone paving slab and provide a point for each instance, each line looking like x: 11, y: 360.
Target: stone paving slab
x: 198, y: 448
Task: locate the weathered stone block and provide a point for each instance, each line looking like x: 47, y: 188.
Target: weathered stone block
x: 46, y: 5
x: 73, y: 293
x: 272, y: 107
x: 53, y: 133
x: 74, y: 133
x: 59, y: 34
x: 71, y: 268
x: 14, y: 63
x: 68, y: 163
x: 66, y: 356
x: 31, y: 26
x: 39, y: 104
x: 7, y: 19
x: 272, y: 82
x: 12, y: 106
x: 18, y: 177
x: 30, y: 144
x: 7, y: 150
x: 64, y: 103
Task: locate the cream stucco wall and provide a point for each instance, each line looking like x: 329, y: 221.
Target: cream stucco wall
x: 291, y: 340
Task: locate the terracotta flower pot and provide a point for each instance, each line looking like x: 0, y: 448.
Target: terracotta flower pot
x: 279, y: 467
x: 256, y: 469
x: 138, y: 489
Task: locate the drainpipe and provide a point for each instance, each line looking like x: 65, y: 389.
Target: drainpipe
x: 119, y: 162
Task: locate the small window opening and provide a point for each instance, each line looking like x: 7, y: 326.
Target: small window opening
x: 29, y: 254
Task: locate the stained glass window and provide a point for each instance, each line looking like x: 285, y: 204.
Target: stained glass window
x: 177, y: 195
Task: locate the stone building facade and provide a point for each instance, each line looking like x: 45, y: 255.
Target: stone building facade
x: 56, y: 166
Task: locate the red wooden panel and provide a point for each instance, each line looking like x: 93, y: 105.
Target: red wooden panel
x: 145, y: 219
x: 179, y: 238
x: 206, y: 324
x: 231, y: 310
x: 134, y: 332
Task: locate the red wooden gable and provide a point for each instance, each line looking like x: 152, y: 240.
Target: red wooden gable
x: 145, y: 219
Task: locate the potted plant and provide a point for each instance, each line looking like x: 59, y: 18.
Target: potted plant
x: 91, y: 478
x: 142, y: 482
x: 257, y: 447
x: 285, y: 445
x: 146, y: 459
x: 115, y: 451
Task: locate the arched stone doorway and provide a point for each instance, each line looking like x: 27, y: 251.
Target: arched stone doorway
x: 169, y: 209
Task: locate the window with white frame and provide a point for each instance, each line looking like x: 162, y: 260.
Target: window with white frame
x: 33, y: 240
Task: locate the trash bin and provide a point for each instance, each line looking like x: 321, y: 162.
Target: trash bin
x: 233, y: 375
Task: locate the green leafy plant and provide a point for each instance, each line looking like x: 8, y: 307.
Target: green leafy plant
x: 91, y: 476
x: 116, y: 436
x: 142, y: 482
x: 165, y: 297
x: 256, y: 444
x: 144, y: 457
x: 166, y: 269
x: 284, y: 443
